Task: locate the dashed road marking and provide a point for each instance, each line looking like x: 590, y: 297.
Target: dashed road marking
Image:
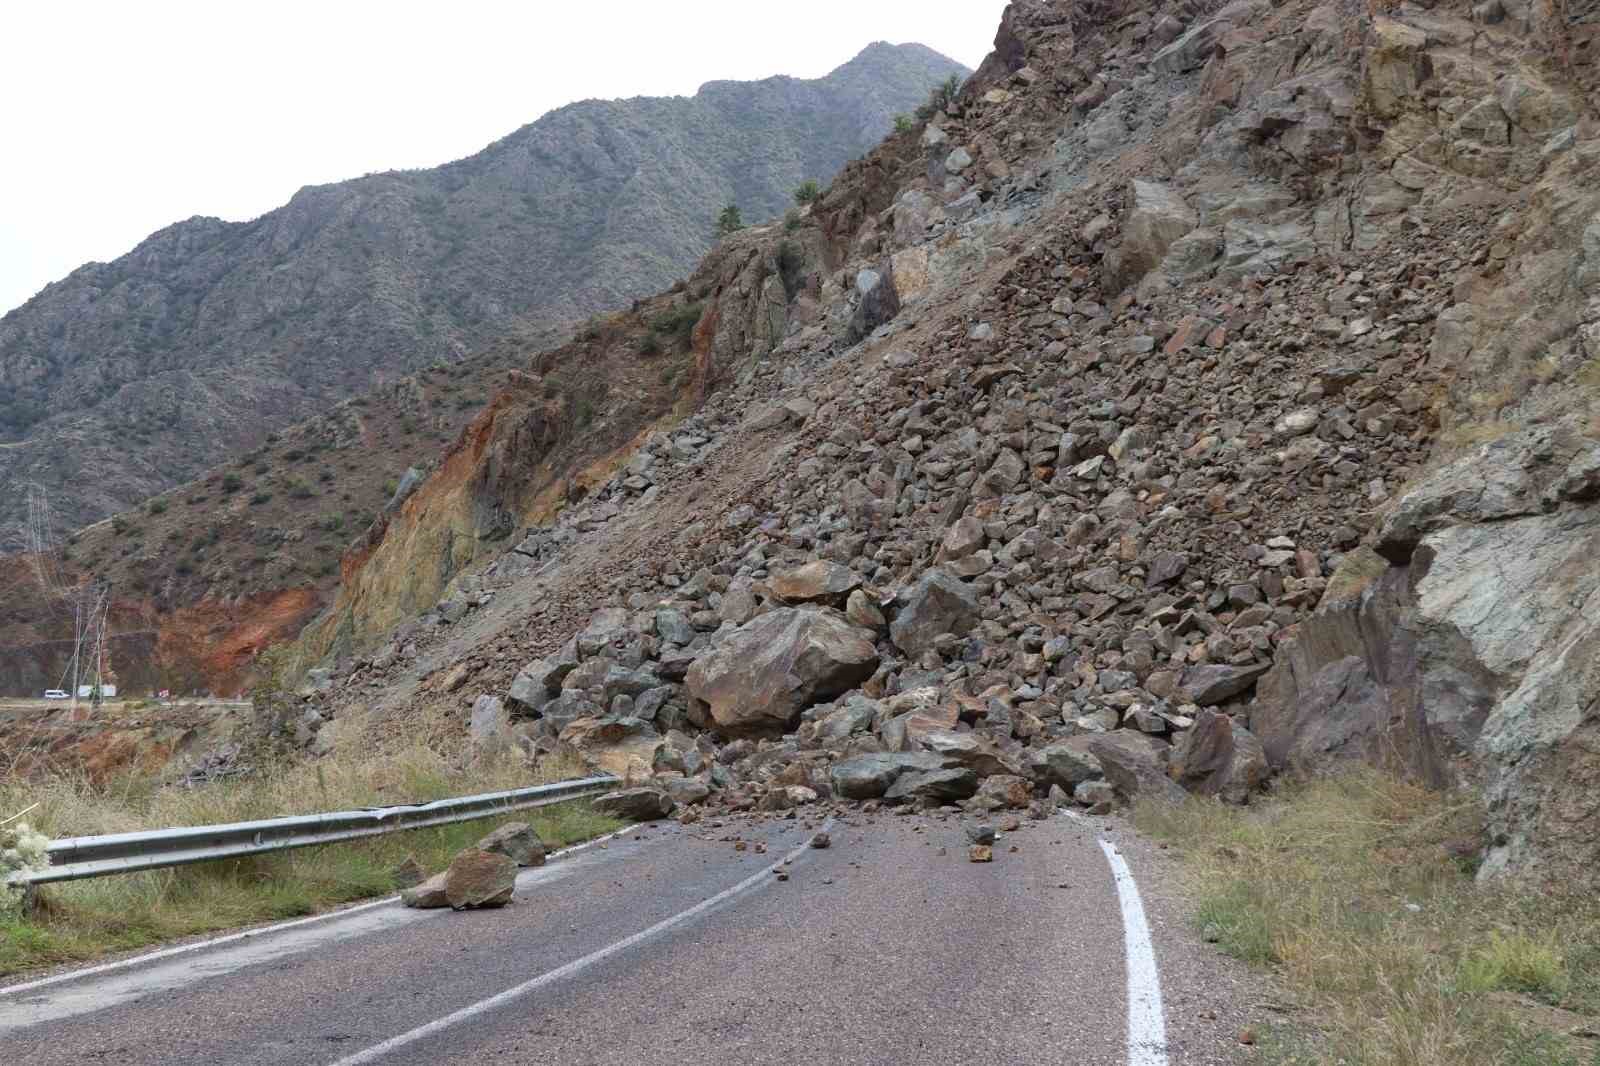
x: 516, y: 992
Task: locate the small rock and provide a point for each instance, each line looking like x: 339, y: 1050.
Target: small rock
x: 980, y: 834
x: 820, y: 840
x: 980, y: 853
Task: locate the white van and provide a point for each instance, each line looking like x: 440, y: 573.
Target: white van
x: 56, y: 694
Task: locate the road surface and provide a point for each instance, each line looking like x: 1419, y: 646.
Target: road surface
x: 666, y: 945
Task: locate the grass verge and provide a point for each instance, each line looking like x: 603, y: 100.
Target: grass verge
x: 1359, y: 892
x: 83, y: 920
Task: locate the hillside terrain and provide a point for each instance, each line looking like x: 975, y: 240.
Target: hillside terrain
x: 1206, y: 392
x: 128, y: 378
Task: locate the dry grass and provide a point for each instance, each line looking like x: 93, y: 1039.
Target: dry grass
x: 1354, y: 891
x: 82, y: 920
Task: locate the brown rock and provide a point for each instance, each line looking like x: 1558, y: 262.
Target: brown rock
x: 479, y: 879
x: 980, y: 853
x: 426, y: 896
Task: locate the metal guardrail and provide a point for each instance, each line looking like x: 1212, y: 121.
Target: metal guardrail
x: 73, y: 858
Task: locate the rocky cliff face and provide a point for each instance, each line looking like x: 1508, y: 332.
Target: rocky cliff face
x: 127, y: 378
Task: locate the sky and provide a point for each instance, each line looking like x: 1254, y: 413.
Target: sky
x: 120, y: 118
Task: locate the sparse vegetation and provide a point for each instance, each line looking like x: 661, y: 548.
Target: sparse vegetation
x: 808, y: 192
x: 678, y: 323
x: 729, y: 221
x: 942, y: 98
x: 1359, y: 892
x: 903, y: 124
x: 82, y: 920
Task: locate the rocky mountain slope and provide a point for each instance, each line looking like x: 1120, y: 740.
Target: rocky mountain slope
x: 1209, y: 392
x: 130, y: 377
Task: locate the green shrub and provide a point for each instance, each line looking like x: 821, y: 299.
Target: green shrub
x: 791, y: 221
x: 678, y: 323
x: 808, y: 192
x: 157, y: 507
x: 903, y: 124
x: 729, y: 221
x: 260, y: 498
x: 651, y: 345
x: 232, y: 483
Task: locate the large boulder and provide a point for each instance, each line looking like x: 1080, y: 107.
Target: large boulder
x: 870, y: 776
x: 1135, y: 765
x: 945, y: 786
x: 517, y: 841
x: 1068, y: 763
x: 479, y: 879
x: 816, y: 582
x: 635, y: 804
x: 1156, y: 217
x: 1214, y: 683
x: 938, y: 602
x: 760, y: 676
x: 621, y: 746
x: 1216, y: 757
x: 879, y: 301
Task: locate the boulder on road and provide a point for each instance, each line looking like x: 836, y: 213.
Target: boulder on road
x: 759, y: 677
x: 870, y: 776
x: 429, y: 895
x: 943, y: 785
x: 516, y: 841
x: 479, y: 879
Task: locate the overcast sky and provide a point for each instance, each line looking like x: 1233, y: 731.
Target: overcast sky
x: 120, y: 118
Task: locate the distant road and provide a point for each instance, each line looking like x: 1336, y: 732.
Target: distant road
x: 888, y: 947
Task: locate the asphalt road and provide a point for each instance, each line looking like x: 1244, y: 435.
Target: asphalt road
x: 668, y: 945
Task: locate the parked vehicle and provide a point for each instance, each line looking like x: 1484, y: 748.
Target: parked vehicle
x: 56, y: 694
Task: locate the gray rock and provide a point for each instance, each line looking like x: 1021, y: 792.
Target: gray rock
x: 489, y: 722
x: 1135, y: 767
x: 944, y: 785
x: 517, y: 841
x: 1067, y: 763
x: 760, y: 676
x: 1213, y: 683
x: 1215, y: 757
x: 635, y: 804
x: 937, y: 603
x: 870, y: 776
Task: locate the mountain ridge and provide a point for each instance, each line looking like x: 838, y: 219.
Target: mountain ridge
x: 126, y: 378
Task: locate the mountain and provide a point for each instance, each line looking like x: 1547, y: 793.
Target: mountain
x: 129, y: 377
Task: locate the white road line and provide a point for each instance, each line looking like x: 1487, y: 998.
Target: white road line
x: 439, y: 1025
x: 1147, y: 1027
x: 248, y: 934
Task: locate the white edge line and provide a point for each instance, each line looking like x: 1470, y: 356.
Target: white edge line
x: 249, y: 934
x: 1147, y: 1027
x: 438, y: 1025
